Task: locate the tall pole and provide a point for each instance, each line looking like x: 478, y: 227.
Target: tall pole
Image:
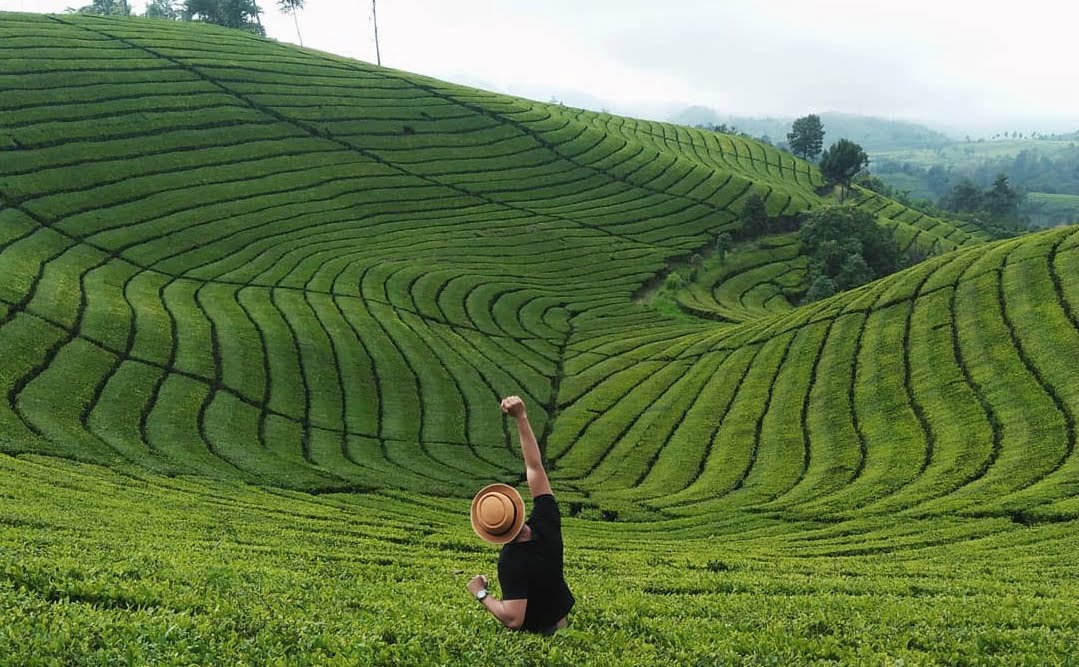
x: 374, y: 17
x: 297, y: 22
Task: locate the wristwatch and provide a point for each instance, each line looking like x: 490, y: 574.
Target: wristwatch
x: 481, y: 593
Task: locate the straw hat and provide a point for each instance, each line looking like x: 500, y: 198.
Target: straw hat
x: 498, y: 512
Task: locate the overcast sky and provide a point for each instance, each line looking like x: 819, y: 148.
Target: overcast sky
x: 974, y: 66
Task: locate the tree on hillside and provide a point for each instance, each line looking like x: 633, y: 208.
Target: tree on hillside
x: 847, y: 246
x: 104, y: 8
x: 696, y: 261
x: 965, y: 197
x: 291, y: 7
x: 238, y: 14
x: 723, y: 245
x: 853, y: 272
x: 162, y: 9
x: 874, y: 183
x: 806, y: 137
x: 995, y: 210
x: 822, y: 287
x: 754, y: 216
x: 841, y: 163
x: 1001, y: 200
x: 937, y: 178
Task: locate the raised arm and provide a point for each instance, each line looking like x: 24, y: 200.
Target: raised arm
x: 538, y: 483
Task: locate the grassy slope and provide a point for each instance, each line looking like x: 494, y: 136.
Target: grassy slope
x: 1051, y: 209
x: 1044, y: 209
x: 963, y: 153
x: 227, y: 261
x: 109, y: 569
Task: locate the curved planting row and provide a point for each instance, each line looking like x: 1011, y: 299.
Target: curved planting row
x: 224, y: 256
x: 755, y: 279
x: 948, y: 388
x: 915, y: 230
x: 229, y: 257
x: 238, y: 279
x: 182, y: 563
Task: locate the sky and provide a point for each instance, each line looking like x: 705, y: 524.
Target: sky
x: 958, y: 65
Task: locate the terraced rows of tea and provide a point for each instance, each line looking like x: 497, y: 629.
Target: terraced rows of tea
x: 258, y: 305
x: 763, y: 278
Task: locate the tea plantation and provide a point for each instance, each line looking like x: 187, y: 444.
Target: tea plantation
x: 258, y: 305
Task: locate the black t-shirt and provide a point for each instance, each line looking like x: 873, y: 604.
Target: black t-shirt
x: 533, y: 570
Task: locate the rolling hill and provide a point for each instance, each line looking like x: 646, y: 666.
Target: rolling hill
x: 258, y: 304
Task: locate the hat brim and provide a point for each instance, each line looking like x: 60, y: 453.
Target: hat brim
x: 519, y: 520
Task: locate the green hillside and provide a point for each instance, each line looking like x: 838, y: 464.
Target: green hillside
x: 1044, y: 168
x: 258, y: 305
x: 1048, y: 210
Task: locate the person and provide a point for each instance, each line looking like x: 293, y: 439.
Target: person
x: 535, y: 596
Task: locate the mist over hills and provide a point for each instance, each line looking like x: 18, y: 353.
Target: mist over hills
x: 873, y: 133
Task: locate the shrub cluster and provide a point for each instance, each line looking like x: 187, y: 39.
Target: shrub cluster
x: 847, y: 248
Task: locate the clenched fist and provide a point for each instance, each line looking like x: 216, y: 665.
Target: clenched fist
x: 476, y: 584
x: 513, y: 406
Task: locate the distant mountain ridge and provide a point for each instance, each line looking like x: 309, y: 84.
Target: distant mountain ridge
x: 873, y: 133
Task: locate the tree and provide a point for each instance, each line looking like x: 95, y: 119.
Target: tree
x: 292, y: 6
x: 846, y: 245
x: 841, y: 163
x: 104, y: 8
x: 822, y: 287
x: 695, y: 262
x: 965, y: 197
x: 853, y: 272
x: 830, y: 255
x: 874, y: 183
x: 806, y: 136
x: 754, y: 216
x: 1001, y: 200
x: 162, y: 9
x: 238, y: 14
x: 723, y: 245
x: 937, y: 179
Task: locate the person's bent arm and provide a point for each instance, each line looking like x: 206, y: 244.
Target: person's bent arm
x: 511, y: 613
x: 538, y: 483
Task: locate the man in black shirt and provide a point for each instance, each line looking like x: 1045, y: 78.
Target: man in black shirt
x: 535, y: 596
